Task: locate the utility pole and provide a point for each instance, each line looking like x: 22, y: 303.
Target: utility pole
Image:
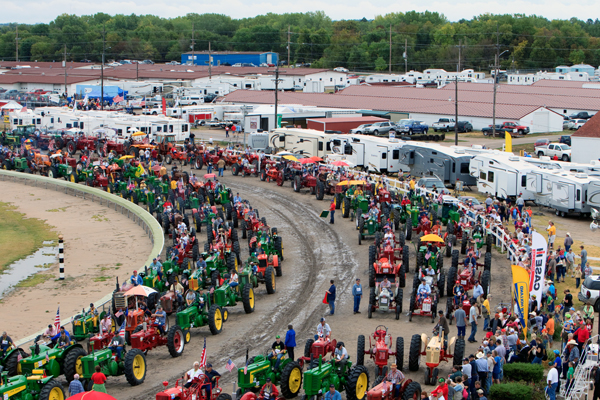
x: 193, y: 43
x: 497, y: 59
x: 458, y: 69
x: 137, y: 72
x: 276, y: 91
x: 406, y: 55
x: 390, y: 62
x: 65, y: 65
x: 288, y: 45
x: 102, y: 70
x: 17, y: 43
x: 209, y: 63
x: 456, y: 110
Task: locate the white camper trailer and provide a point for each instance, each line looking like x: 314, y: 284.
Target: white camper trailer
x: 308, y: 142
x: 375, y: 154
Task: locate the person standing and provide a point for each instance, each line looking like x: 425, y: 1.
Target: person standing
x: 596, y: 383
x: 221, y: 166
x: 75, y: 386
x: 552, y: 380
x: 570, y: 262
x: 461, y: 322
x: 583, y: 256
x: 473, y: 321
x: 520, y: 203
x: 99, y: 380
x: 290, y: 341
x: 551, y: 229
x: 551, y: 266
x: 333, y: 394
x: 568, y: 242
x: 332, y: 211
x: 331, y: 298
x: 357, y: 294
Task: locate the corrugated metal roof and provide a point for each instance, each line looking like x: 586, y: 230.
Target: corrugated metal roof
x: 53, y: 79
x: 590, y: 129
x: 394, y: 104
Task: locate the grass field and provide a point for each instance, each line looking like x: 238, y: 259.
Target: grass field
x: 20, y: 236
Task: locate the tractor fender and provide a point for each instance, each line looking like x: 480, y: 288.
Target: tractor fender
x: 451, y: 342
x: 248, y: 396
x: 424, y: 339
x: 275, y: 261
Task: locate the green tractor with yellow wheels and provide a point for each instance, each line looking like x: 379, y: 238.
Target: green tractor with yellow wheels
x: 33, y: 387
x: 132, y: 364
x: 354, y: 380
x: 201, y: 312
x: 54, y: 361
x: 288, y: 376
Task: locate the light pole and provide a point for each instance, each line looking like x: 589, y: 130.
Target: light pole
x: 496, y: 66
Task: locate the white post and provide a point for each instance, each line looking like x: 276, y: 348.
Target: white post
x: 61, y: 257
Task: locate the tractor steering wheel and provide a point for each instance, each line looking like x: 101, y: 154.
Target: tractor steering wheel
x: 379, y: 328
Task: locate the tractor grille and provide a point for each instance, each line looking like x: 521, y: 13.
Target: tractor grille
x: 88, y: 367
x: 120, y: 301
x: 162, y: 396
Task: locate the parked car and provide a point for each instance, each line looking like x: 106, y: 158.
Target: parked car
x: 248, y: 65
x: 340, y: 69
x: 575, y: 124
x: 360, y: 129
x: 173, y: 63
x: 566, y: 139
x: 476, y: 204
x: 561, y: 150
x: 516, y: 128
x: 566, y: 123
x: 237, y: 65
x: 590, y: 292
x: 500, y: 130
x: 380, y: 128
x: 443, y: 124
x: 581, y: 115
x: 264, y: 65
x: 149, y: 62
x: 411, y: 126
x: 464, y: 126
x: 430, y: 182
x: 208, y: 98
x: 541, y: 142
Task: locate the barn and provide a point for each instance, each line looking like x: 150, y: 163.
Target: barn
x: 586, y: 141
x: 230, y: 58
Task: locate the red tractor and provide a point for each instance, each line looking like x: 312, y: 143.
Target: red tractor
x: 147, y: 337
x: 81, y: 143
x: 272, y: 172
x: 304, y: 181
x: 197, y: 391
x: 177, y: 153
x: 386, y: 298
x: 423, y: 305
x: 380, y: 350
x: 385, y: 391
x: 245, y: 169
x: 101, y: 340
x: 315, y: 349
x: 392, y: 251
x: 435, y: 351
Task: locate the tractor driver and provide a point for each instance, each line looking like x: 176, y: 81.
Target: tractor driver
x: 396, y: 378
x: 385, y: 283
x: 192, y: 374
x: 64, y: 340
x: 106, y: 323
x: 423, y: 291
x: 323, y: 329
x: 211, y: 380
x: 5, y: 343
x: 237, y: 198
x: 116, y: 345
x: 340, y: 355
x: 470, y: 261
x: 268, y: 391
x: 389, y: 235
x: 277, y: 351
x: 429, y: 271
x: 190, y: 297
x: 161, y: 319
x: 459, y: 293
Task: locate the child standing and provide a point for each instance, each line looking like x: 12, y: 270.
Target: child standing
x: 570, y: 374
x: 577, y: 277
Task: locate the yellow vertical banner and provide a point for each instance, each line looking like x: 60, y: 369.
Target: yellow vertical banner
x: 521, y: 293
x: 507, y: 142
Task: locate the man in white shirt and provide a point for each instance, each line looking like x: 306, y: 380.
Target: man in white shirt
x: 552, y: 380
x: 323, y: 329
x: 423, y: 290
x: 193, y: 373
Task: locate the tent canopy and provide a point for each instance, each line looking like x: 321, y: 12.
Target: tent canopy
x: 95, y: 91
x: 11, y: 105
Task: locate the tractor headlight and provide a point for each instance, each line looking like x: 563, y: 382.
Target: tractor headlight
x: 69, y: 170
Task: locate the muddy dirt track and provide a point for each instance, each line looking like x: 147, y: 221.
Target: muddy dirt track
x: 315, y: 252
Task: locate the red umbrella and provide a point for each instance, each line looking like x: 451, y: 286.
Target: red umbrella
x: 306, y: 161
x: 92, y: 395
x: 339, y: 164
x: 316, y: 159
x: 209, y: 176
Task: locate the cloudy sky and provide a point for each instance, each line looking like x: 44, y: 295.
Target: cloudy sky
x: 31, y: 11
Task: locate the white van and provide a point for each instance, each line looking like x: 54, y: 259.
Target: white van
x: 191, y: 100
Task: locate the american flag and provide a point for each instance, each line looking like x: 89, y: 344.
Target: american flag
x: 105, y: 147
x: 19, y: 357
x: 203, y: 356
x: 246, y: 368
x: 122, y: 330
x: 146, y: 140
x: 57, y: 319
x: 51, y: 145
x: 118, y: 99
x: 230, y: 365
x: 24, y: 109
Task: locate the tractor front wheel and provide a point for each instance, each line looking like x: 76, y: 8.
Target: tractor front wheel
x: 360, y: 350
x: 135, y: 367
x: 175, y: 341
x: 187, y: 335
x: 358, y: 383
x: 291, y: 380
x: 270, y: 280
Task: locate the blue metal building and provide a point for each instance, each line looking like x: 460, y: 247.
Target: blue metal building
x: 230, y: 57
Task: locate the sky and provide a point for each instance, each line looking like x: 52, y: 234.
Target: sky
x: 35, y: 11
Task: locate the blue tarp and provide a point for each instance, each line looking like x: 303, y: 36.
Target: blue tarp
x: 94, y: 92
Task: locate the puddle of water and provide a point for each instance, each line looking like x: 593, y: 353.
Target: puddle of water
x: 44, y: 257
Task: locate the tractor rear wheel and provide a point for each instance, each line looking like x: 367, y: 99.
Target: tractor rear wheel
x: 486, y: 278
x: 291, y: 380
x: 442, y: 282
x: 279, y: 250
x: 400, y: 353
x: 360, y: 350
x: 72, y: 363
x: 402, y: 276
x: 228, y: 211
x: 488, y: 243
x: 408, y: 228
x: 420, y: 261
x: 73, y: 178
x: 175, y: 341
x: 449, y: 309
x: 52, y: 172
x: 414, y: 354
x: 452, y: 274
x: 401, y: 239
x: 399, y: 299
x: 454, y: 260
x: 320, y: 191
x: 199, y: 162
x: 308, y: 347
x: 12, y: 362
x: 450, y: 227
x: 270, y: 280
x: 52, y: 390
x: 358, y: 383
x: 248, y: 299
x: 297, y: 183
x: 487, y: 265
x: 459, y: 349
x: 235, y: 169
x: 263, y: 175
x: 463, y: 244
x: 224, y: 396
x: 345, y: 207
x: 412, y: 391
x: 215, y: 319
x: 135, y: 367
x: 244, y: 229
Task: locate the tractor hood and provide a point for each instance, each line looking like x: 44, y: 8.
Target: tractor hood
x: 256, y: 373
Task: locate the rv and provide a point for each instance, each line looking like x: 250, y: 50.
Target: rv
x: 449, y: 164
x: 373, y: 154
x: 193, y: 114
x: 307, y: 142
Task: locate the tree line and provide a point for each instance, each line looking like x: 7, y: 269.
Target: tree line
x: 428, y: 39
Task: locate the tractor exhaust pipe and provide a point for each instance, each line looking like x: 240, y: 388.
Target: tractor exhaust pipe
x: 117, y: 283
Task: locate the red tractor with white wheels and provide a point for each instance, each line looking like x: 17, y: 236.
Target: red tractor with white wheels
x: 385, y: 391
x: 272, y: 172
x: 313, y: 349
x: 435, y: 351
x: 147, y: 337
x: 197, y: 391
x: 380, y: 350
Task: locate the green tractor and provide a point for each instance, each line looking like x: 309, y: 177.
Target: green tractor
x: 14, y: 137
x: 10, y: 362
x: 19, y: 164
x: 218, y: 264
x: 132, y: 364
x: 118, y: 188
x: 151, y: 278
x: 288, y: 375
x: 202, y: 312
x: 146, y: 197
x: 34, y: 387
x: 55, y: 362
x: 60, y: 171
x: 272, y: 245
x: 226, y: 296
x: 261, y: 274
x: 85, y: 324
x: 353, y: 205
x: 435, y: 259
x: 369, y: 226
x: 323, y: 374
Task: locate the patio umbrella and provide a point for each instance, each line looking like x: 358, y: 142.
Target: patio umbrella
x: 290, y: 157
x: 432, y: 238
x: 125, y: 157
x: 340, y: 164
x: 316, y: 159
x: 284, y: 153
x: 92, y: 395
x: 138, y: 133
x: 209, y: 176
x: 140, y: 290
x: 306, y: 161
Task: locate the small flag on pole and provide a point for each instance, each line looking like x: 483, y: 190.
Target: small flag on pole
x: 57, y: 319
x: 230, y: 365
x: 246, y: 367
x: 122, y: 330
x: 19, y: 357
x: 47, y: 358
x: 203, y: 356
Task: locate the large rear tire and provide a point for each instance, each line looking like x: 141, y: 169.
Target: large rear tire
x: 12, y: 362
x: 358, y: 383
x: 270, y: 280
x: 291, y: 380
x: 215, y: 319
x: 459, y: 350
x: 414, y: 354
x: 412, y: 391
x: 400, y: 353
x: 52, y: 390
x: 248, y: 299
x: 135, y: 367
x: 308, y: 347
x: 175, y: 341
x: 360, y: 350
x: 72, y: 363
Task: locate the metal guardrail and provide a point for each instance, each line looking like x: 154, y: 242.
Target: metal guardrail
x: 134, y: 212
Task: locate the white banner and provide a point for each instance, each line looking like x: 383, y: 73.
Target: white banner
x: 537, y: 276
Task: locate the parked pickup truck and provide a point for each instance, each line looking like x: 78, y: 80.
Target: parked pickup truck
x: 156, y: 110
x: 443, y: 124
x: 561, y: 150
x: 500, y: 130
x: 411, y: 126
x: 581, y: 115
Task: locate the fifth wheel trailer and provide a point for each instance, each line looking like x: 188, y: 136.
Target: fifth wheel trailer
x: 448, y: 164
x: 374, y: 154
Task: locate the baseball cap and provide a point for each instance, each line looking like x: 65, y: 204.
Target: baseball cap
x: 208, y: 365
x: 332, y: 385
x: 277, y: 337
x: 322, y: 319
x: 479, y: 391
x: 268, y: 380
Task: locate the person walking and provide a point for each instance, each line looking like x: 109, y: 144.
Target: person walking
x: 568, y: 242
x: 75, y: 386
x: 461, y: 322
x: 520, y: 203
x: 331, y: 298
x: 473, y: 321
x: 570, y: 261
x: 357, y: 294
x: 290, y: 341
x: 99, y: 380
x: 583, y: 256
x: 332, y: 211
x: 552, y: 380
x: 221, y: 166
x: 551, y: 229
